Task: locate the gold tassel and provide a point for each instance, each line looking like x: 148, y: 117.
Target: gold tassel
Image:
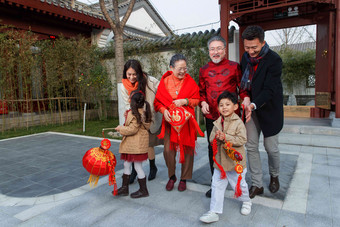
x: 93, y: 180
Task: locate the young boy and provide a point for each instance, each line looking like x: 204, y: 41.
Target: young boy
x: 227, y: 128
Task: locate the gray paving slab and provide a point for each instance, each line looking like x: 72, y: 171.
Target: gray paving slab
x: 315, y: 220
x: 308, y: 196
x: 291, y: 219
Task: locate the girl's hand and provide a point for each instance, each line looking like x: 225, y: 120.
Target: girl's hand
x: 118, y: 128
x: 179, y: 102
x: 167, y: 115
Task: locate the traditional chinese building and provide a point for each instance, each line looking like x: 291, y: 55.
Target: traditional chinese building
x: 274, y: 14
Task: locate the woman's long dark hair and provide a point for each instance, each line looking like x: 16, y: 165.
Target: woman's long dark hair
x: 141, y: 76
x: 137, y: 100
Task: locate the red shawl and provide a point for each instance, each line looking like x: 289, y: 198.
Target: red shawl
x: 188, y: 134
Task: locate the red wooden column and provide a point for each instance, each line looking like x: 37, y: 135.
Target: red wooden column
x: 337, y: 60
x: 224, y: 15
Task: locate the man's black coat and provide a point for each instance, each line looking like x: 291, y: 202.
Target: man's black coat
x: 267, y: 94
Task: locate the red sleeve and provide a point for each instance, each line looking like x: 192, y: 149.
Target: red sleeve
x: 201, y: 85
x: 243, y: 93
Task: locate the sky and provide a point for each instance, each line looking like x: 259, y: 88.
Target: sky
x: 188, y: 16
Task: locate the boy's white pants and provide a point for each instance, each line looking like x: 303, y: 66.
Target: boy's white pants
x: 218, y: 187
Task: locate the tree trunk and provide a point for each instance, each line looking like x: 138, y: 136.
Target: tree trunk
x: 119, y: 56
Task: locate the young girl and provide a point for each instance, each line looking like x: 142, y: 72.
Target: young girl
x: 135, y: 143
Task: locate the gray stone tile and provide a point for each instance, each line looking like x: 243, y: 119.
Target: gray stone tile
x: 41, y: 176
x: 317, y: 220
x: 320, y: 150
x: 320, y: 159
x: 335, y: 206
x: 333, y: 151
x: 288, y: 218
x: 50, y: 192
x: 320, y: 170
x: 8, y: 220
x: 6, y: 177
x: 14, y: 185
x: 32, y: 190
x: 307, y: 149
x: 334, y: 186
x: 5, y: 161
x: 319, y: 204
x: 334, y: 171
x: 265, y: 217
x: 57, y: 181
x: 319, y: 184
x: 336, y: 222
x: 74, y: 184
x: 13, y: 210
x: 334, y: 160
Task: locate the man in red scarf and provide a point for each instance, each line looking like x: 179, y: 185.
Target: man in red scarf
x: 177, y: 88
x: 261, y: 68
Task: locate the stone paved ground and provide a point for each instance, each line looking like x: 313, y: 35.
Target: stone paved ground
x: 43, y: 183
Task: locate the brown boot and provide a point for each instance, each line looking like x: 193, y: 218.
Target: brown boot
x: 143, y: 191
x: 124, y: 190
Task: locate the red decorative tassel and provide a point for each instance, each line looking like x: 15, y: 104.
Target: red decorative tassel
x: 115, y: 191
x: 181, y: 150
x: 192, y: 119
x: 238, y: 191
x: 214, y: 147
x: 161, y: 135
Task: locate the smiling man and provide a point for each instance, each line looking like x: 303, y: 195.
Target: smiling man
x: 217, y: 76
x: 261, y: 77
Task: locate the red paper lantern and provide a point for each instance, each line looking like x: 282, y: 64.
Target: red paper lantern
x: 99, y: 161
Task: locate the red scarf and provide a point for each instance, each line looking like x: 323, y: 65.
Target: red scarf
x: 188, y: 134
x: 129, y: 86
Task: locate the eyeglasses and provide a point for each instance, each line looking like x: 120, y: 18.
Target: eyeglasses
x: 218, y: 49
x: 184, y: 69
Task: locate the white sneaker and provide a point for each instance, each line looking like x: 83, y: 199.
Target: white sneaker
x: 209, y: 217
x: 246, y: 208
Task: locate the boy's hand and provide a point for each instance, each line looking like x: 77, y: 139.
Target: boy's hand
x: 220, y: 136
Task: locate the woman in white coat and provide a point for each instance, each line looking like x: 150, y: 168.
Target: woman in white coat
x: 135, y: 79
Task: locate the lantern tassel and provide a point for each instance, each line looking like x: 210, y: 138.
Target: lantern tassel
x: 93, y: 180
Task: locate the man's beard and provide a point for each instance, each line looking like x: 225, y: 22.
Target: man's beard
x: 216, y: 61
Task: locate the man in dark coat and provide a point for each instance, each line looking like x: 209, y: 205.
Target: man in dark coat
x: 261, y: 76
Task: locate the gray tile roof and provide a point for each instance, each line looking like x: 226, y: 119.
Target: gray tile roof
x: 297, y: 46
x: 173, y: 40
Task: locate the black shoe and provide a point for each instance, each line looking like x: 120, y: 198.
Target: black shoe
x: 254, y: 191
x: 208, y: 193
x: 153, y: 170
x: 133, y: 174
x: 274, y: 185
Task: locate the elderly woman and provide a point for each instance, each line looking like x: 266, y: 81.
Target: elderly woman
x: 177, y: 88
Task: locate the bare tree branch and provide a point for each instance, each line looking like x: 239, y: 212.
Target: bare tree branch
x: 116, y: 13
x: 128, y: 13
x: 106, y: 15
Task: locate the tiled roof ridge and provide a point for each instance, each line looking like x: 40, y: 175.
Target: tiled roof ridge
x: 164, y: 42
x: 64, y: 5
